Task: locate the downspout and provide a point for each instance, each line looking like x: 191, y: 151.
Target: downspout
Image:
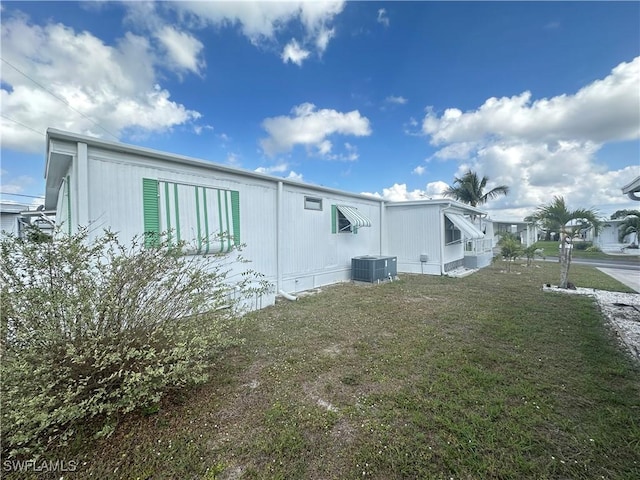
x: 442, y: 209
x: 279, y: 246
x: 382, y: 229
x: 287, y: 295
x: 279, y: 194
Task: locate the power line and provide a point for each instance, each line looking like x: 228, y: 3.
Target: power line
x: 22, y: 124
x: 22, y: 195
x: 57, y: 97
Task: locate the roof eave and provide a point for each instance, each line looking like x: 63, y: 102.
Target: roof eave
x: 53, y: 133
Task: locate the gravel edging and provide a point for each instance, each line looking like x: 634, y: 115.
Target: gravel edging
x: 621, y: 310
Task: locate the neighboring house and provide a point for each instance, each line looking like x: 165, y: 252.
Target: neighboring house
x: 9, y: 218
x: 16, y: 217
x: 526, y: 232
x: 632, y: 189
x: 435, y: 236
x: 299, y: 236
x: 609, y: 236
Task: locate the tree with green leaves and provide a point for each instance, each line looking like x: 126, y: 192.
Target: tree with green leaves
x: 470, y: 189
x: 630, y: 225
x: 557, y: 217
x: 510, y: 248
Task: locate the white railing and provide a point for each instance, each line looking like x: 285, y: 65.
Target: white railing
x: 478, y: 247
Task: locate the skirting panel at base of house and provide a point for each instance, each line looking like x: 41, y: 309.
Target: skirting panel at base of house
x: 419, y: 267
x: 257, y: 302
x: 453, y: 265
x: 303, y: 282
x: 478, y: 261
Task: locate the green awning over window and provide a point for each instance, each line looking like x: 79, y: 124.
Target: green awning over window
x: 356, y: 219
x: 470, y: 231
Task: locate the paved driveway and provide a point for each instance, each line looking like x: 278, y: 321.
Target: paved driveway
x: 631, y: 278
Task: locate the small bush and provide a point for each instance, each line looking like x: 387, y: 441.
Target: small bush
x: 93, y: 330
x: 510, y: 248
x: 582, y: 245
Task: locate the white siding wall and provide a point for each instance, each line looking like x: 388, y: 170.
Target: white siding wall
x: 63, y: 208
x: 412, y: 231
x: 116, y: 192
x: 313, y: 255
x: 608, y: 234
x: 9, y: 223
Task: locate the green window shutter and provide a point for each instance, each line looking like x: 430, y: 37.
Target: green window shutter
x: 167, y: 210
x: 235, y: 216
x: 220, y: 217
x: 334, y: 219
x: 151, y: 211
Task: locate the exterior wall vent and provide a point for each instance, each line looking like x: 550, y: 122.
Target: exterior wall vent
x: 373, y: 269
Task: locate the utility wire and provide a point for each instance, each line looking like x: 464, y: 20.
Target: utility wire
x: 57, y: 97
x: 22, y: 195
x: 21, y: 124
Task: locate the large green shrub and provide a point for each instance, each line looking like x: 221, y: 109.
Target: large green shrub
x: 94, y: 329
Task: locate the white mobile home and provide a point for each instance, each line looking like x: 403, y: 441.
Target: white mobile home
x: 16, y: 218
x: 10, y: 218
x: 298, y: 235
x: 435, y: 236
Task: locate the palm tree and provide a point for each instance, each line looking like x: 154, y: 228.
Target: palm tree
x: 557, y: 217
x: 630, y: 225
x: 470, y: 189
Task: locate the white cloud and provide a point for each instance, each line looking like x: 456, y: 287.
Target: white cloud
x: 199, y: 128
x: 279, y: 168
x: 419, y: 170
x: 323, y: 38
x: 261, y: 22
x: 546, y: 147
x: 294, y: 53
x: 352, y: 153
x: 233, y: 159
x: 398, y: 100
x: 184, y: 51
x: 11, y: 185
x: 398, y: 193
x: 605, y: 110
x: 310, y: 127
x: 436, y: 189
x: 295, y: 176
x: 382, y: 17
x: 111, y: 89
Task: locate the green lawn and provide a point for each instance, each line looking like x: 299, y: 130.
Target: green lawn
x: 424, y: 378
x: 551, y: 250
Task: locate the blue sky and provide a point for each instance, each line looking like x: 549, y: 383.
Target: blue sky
x: 389, y: 98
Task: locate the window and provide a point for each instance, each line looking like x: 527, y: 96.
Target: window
x: 451, y: 232
x: 207, y: 218
x: 347, y: 219
x: 312, y: 203
x: 344, y: 225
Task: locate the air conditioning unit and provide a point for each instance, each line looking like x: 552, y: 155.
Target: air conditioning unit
x: 370, y: 268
